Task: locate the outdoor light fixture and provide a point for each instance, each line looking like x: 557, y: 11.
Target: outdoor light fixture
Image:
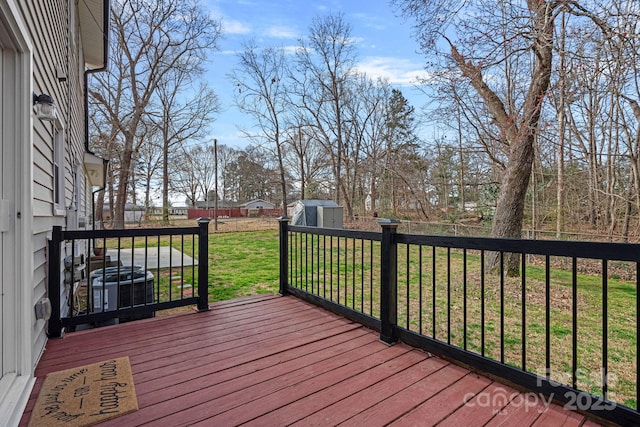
x: 45, y: 107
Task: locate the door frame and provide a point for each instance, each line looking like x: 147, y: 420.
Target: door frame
x: 17, y: 139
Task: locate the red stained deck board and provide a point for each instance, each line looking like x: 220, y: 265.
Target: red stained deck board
x: 443, y: 403
x: 162, y: 325
x: 160, y: 358
x: 556, y: 416
x: 157, y: 357
x: 257, y: 360
x: 230, y: 380
x: 210, y: 401
x: 341, y: 386
x: 522, y: 409
x: 180, y: 334
x: 271, y: 360
x: 323, y: 408
x: 271, y: 394
x: 387, y: 411
x: 479, y: 407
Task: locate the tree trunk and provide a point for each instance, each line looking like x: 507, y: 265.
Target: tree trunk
x: 117, y: 211
x: 98, y: 209
x: 628, y: 207
x: 518, y: 132
x: 165, y: 166
x: 507, y: 222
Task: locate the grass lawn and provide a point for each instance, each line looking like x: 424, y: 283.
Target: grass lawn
x: 242, y: 264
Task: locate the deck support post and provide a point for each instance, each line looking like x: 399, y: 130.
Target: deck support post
x: 389, y: 281
x: 284, y: 255
x: 203, y: 264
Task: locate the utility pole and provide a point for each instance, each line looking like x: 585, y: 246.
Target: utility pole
x: 215, y: 205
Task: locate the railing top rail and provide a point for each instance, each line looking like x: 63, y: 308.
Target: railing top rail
x: 593, y: 250
x: 129, y: 232
x: 564, y: 248
x: 336, y: 232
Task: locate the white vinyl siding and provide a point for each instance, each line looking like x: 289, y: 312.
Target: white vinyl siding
x: 47, y: 158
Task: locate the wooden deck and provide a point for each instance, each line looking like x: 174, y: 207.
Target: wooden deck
x: 273, y: 361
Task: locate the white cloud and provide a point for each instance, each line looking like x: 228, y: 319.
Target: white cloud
x: 291, y: 50
x: 370, y: 21
x: 396, y: 70
x: 230, y: 26
x: 281, y: 32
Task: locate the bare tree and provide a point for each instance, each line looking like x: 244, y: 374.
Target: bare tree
x: 105, y: 125
x: 561, y: 105
x: 365, y: 128
x: 510, y: 39
x: 249, y: 176
x: 306, y: 158
x: 192, y: 172
x: 400, y: 142
x: 180, y: 120
x: 324, y: 66
x: 148, y: 162
x: 226, y: 159
x: 259, y: 79
x: 152, y: 39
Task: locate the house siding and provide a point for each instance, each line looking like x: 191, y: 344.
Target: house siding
x: 54, y: 46
x: 48, y: 50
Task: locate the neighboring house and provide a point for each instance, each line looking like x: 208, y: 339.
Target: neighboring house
x: 178, y: 210
x: 132, y: 213
x: 47, y: 47
x: 210, y: 204
x: 227, y: 209
x: 173, y: 210
x: 225, y: 204
x: 257, y: 204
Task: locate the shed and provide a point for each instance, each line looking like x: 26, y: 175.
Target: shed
x: 317, y: 213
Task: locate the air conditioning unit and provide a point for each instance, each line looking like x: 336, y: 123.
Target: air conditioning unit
x: 111, y: 288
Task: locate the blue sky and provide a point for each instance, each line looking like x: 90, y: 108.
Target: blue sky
x: 384, y: 45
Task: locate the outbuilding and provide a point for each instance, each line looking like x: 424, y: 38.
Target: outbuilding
x: 317, y: 213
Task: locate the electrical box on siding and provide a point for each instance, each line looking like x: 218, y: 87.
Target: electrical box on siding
x: 330, y: 216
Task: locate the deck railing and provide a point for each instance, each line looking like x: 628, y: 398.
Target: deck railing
x: 566, y: 328
x: 99, y: 277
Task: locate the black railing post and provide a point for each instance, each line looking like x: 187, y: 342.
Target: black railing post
x: 203, y: 264
x: 388, y: 281
x: 284, y: 255
x: 54, y: 328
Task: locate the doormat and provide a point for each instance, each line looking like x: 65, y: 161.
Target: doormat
x: 86, y: 395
